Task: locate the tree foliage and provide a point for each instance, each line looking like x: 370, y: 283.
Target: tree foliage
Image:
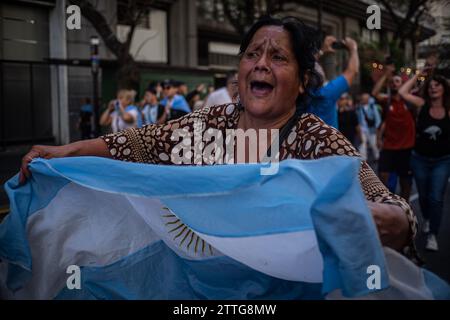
x: 408, y: 17
x: 131, y: 12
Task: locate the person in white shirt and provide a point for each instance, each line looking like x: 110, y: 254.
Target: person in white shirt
x: 121, y: 113
x: 225, y: 94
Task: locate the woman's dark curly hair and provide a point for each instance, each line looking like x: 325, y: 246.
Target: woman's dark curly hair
x: 443, y: 81
x: 305, y: 43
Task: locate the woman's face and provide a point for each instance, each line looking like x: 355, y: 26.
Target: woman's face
x: 268, y: 75
x: 396, y: 83
x: 435, y: 90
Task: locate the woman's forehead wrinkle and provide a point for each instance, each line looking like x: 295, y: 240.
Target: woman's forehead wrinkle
x: 267, y: 43
x: 256, y: 44
x: 276, y: 44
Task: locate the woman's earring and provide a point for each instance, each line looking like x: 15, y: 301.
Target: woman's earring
x: 300, y: 89
x: 238, y: 102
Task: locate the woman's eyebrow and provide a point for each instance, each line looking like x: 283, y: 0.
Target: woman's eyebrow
x: 277, y: 47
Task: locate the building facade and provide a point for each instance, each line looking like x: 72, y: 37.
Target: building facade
x: 45, y: 68
x: 440, y: 42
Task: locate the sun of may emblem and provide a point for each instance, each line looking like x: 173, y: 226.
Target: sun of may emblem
x: 184, y: 236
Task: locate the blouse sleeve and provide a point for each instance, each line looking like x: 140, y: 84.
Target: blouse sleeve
x: 155, y: 143
x: 149, y: 144
x: 134, y: 144
x: 330, y: 141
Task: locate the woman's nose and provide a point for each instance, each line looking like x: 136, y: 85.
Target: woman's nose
x: 262, y: 64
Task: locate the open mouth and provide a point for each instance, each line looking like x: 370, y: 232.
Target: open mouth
x: 260, y: 88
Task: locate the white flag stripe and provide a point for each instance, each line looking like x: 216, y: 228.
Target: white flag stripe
x: 290, y: 256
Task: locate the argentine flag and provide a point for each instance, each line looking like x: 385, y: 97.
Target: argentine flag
x: 94, y: 228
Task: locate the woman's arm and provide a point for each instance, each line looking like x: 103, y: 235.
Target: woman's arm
x: 93, y: 147
x: 376, y: 91
x: 353, y: 62
x: 394, y: 218
x: 405, y: 90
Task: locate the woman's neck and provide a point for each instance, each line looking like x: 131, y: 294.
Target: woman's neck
x: 437, y: 103
x: 247, y: 121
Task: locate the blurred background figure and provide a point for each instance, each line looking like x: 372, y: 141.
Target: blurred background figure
x: 151, y: 109
x: 182, y: 88
x: 369, y: 120
x: 211, y: 89
x: 121, y: 112
x: 194, y: 97
x: 159, y: 90
x: 323, y: 102
x: 195, y: 102
x: 175, y: 105
x: 224, y: 95
x: 396, y: 134
x: 431, y: 155
x: 348, y: 120
x: 86, y: 120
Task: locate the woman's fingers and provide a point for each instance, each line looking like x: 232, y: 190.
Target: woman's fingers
x: 24, y: 170
x: 22, y: 178
x: 24, y: 167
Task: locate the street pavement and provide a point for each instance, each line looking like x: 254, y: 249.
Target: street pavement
x: 437, y: 262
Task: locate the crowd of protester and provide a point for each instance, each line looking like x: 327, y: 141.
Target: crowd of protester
x: 161, y: 102
x: 406, y: 127
x: 401, y: 128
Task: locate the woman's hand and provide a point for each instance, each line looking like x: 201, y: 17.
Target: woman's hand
x: 351, y: 44
x: 93, y: 147
x: 425, y: 71
x: 112, y: 106
x: 327, y: 45
x: 46, y: 152
x: 392, y: 224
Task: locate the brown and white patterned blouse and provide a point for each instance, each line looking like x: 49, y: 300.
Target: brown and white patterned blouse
x: 310, y: 138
